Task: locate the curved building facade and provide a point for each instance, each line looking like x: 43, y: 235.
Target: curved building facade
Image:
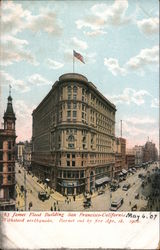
x: 73, y: 136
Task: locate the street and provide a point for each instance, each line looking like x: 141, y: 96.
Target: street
x: 98, y: 202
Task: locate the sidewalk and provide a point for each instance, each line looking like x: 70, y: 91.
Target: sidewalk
x: 19, y: 198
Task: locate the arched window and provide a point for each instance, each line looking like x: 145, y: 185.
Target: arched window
x: 71, y: 138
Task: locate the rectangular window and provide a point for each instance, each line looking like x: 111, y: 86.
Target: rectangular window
x: 74, y: 114
x: 74, y: 105
x: 1, y: 167
x: 74, y: 97
x: 68, y: 155
x: 1, y: 143
x: 1, y: 155
x: 1, y: 179
x: 73, y: 163
x: 73, y: 155
x: 82, y: 115
x: 69, y: 96
x: 82, y: 174
x: 68, y: 174
x: 82, y: 98
x: 9, y: 145
x: 9, y: 168
x: 68, y: 113
x: 9, y: 156
x: 69, y: 105
x: 68, y: 163
x: 64, y: 174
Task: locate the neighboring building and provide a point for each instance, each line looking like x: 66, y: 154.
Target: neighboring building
x: 120, y: 153
x: 130, y: 158
x: 20, y: 148
x: 123, y: 151
x: 7, y: 159
x: 27, y: 151
x: 73, y: 136
x: 150, y: 152
x: 138, y: 150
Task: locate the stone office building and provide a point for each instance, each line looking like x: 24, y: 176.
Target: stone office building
x: 73, y: 136
x: 7, y: 160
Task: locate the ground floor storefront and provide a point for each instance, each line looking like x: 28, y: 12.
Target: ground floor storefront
x: 74, y: 181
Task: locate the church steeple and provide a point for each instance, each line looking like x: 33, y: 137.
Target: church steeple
x: 9, y: 116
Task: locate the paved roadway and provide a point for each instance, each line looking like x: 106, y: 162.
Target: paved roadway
x: 99, y: 203
x: 32, y: 191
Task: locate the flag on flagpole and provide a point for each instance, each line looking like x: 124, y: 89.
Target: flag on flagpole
x: 78, y: 56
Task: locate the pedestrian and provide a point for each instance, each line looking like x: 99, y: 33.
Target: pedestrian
x: 68, y: 201
x: 130, y: 203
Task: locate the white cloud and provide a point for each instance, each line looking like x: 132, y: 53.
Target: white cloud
x: 155, y: 103
x: 140, y: 120
x: 114, y: 14
x: 92, y: 22
x: 13, y: 50
x: 6, y: 79
x: 130, y: 96
x: 79, y: 43
x: 54, y: 64
x: 149, y: 26
x: 13, y: 17
x: 37, y: 80
x: 144, y: 58
x: 94, y: 33
x: 113, y: 66
x: 105, y: 14
x: 46, y: 21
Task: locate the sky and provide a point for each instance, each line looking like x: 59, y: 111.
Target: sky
x: 119, y: 43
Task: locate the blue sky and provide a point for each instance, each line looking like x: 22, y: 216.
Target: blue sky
x: 119, y: 43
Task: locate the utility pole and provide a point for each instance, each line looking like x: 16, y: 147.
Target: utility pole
x: 25, y: 190
x: 121, y: 128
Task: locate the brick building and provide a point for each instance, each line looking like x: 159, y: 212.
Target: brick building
x: 7, y: 159
x: 130, y: 158
x: 120, y: 154
x: 73, y: 136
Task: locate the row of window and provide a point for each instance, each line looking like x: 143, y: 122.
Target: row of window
x: 10, y: 156
x: 10, y: 168
x: 71, y: 174
x: 10, y: 144
x: 9, y: 178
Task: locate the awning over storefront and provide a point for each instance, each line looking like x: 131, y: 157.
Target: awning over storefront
x: 124, y: 171
x: 69, y: 184
x: 103, y: 180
